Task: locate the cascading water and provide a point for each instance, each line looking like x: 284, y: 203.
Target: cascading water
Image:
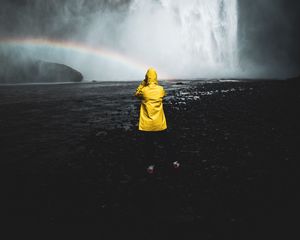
x: 194, y: 38
x: 180, y: 38
x: 209, y: 30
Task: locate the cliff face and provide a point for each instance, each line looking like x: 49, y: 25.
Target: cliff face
x: 35, y: 71
x: 54, y: 72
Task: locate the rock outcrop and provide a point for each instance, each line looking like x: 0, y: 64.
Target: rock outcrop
x: 36, y: 71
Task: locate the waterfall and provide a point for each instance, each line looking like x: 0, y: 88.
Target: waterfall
x: 201, y: 35
x: 180, y: 38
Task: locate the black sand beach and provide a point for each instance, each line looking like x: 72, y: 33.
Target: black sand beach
x: 71, y: 153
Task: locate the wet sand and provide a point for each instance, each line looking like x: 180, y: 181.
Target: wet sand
x: 71, y: 153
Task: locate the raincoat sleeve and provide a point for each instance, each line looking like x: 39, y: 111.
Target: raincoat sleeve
x: 138, y: 92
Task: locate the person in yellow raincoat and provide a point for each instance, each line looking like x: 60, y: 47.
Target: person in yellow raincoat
x: 152, y: 120
x: 152, y: 116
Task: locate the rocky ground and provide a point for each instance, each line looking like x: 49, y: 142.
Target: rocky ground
x: 71, y: 153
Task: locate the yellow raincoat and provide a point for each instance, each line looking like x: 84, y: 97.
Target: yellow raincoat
x: 152, y: 116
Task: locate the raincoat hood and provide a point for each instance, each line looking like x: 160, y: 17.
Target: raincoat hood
x: 151, y: 76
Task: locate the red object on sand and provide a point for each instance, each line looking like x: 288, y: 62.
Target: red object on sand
x: 176, y: 164
x: 150, y: 169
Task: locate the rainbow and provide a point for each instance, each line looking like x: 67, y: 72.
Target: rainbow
x: 78, y: 48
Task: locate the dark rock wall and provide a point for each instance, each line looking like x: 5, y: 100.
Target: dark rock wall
x: 35, y: 71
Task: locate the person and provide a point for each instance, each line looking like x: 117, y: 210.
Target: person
x: 152, y: 119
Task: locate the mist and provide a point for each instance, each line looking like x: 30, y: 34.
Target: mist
x: 182, y: 39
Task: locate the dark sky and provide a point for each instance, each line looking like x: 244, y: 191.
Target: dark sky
x: 269, y: 32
